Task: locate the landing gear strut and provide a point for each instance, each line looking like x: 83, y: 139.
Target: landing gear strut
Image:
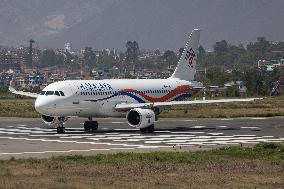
x: 149, y: 129
x: 61, y: 128
x: 90, y: 125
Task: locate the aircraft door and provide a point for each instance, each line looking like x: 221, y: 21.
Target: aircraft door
x: 76, y: 93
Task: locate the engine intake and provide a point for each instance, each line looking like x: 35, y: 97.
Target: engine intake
x: 140, y: 118
x: 48, y: 119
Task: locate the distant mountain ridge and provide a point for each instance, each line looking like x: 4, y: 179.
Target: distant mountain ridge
x: 163, y: 24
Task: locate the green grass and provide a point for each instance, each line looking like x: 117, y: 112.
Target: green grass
x: 17, y: 108
x: 261, y: 166
x: 268, y: 107
x: 261, y: 151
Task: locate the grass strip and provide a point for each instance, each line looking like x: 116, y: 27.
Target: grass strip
x: 261, y: 151
x: 261, y: 166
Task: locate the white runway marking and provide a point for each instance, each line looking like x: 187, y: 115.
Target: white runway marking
x: 215, y: 134
x: 254, y: 128
x: 188, y: 120
x: 226, y: 119
x: 258, y: 118
x: 198, y: 127
x: 119, y: 140
x: 222, y: 127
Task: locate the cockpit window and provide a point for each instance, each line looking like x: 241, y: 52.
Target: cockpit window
x: 49, y: 93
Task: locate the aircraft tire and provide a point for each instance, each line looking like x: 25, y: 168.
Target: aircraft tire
x: 94, y: 125
x: 87, y: 126
x: 60, y: 130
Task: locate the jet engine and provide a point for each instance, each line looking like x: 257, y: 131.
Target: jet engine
x: 49, y: 119
x: 140, y: 118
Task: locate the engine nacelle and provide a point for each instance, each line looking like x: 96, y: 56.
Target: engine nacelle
x: 140, y: 118
x: 49, y: 119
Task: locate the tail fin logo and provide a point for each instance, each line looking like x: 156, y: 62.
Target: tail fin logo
x: 189, y: 57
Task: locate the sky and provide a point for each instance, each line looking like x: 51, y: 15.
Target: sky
x: 162, y: 24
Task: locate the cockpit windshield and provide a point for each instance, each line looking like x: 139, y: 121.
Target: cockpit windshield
x: 49, y: 93
x: 61, y: 93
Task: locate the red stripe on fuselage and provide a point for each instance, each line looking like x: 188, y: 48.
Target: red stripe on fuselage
x: 177, y: 91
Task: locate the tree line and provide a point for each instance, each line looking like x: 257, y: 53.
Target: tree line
x: 240, y: 59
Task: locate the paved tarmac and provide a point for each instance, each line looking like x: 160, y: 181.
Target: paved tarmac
x: 30, y: 137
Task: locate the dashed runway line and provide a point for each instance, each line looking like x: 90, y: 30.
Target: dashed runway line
x: 109, y: 140
x: 258, y: 118
x: 226, y: 119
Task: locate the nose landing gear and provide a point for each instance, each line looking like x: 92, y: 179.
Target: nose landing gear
x: 61, y: 128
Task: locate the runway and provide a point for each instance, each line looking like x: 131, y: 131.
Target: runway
x: 29, y: 137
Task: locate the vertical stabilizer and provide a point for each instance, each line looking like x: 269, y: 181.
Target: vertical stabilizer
x: 185, y: 69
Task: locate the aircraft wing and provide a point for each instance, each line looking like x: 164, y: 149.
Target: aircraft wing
x: 14, y: 91
x: 125, y: 107
x: 23, y: 93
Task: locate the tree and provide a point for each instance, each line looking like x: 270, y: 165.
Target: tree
x: 90, y: 58
x: 132, y: 51
x: 157, y: 52
x: 170, y: 58
x: 258, y: 82
x: 221, y: 47
x: 48, y: 58
x: 217, y: 77
x: 201, y: 51
x: 260, y: 47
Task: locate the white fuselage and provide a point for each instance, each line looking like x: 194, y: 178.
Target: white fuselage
x: 91, y: 98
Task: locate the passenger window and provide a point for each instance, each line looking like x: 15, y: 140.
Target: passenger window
x: 42, y: 93
x: 57, y: 93
x: 61, y: 93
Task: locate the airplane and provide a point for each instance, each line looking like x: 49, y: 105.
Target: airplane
x: 140, y: 100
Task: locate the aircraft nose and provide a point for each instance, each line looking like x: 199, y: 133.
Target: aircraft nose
x: 41, y: 105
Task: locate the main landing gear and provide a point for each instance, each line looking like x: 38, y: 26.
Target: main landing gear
x: 61, y: 128
x: 149, y: 129
x: 90, y: 125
